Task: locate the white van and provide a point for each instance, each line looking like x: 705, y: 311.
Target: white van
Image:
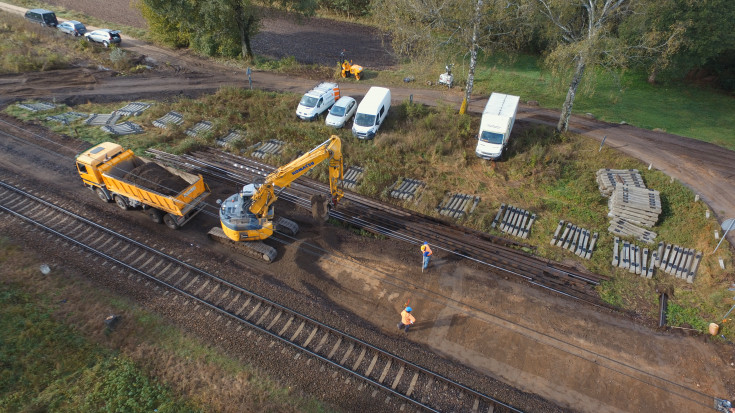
x: 318, y: 100
x: 497, y: 122
x: 371, y: 112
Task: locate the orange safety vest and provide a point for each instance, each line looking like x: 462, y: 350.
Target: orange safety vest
x: 407, y: 318
x: 425, y: 248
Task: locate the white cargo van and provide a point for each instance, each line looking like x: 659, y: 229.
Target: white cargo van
x: 496, y: 124
x: 318, y: 100
x: 371, y: 112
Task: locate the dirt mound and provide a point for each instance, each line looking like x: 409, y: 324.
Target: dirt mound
x: 156, y: 178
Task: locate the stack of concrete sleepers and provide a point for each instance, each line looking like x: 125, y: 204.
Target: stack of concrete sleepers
x: 608, y: 179
x: 672, y: 259
x: 634, y: 258
x: 623, y: 228
x: 639, y: 206
x: 458, y: 205
x: 575, y: 239
x: 352, y: 178
x: 679, y: 261
x: 514, y: 221
x: 268, y: 148
x: 405, y: 188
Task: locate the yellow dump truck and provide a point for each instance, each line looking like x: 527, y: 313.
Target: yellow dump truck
x: 166, y: 194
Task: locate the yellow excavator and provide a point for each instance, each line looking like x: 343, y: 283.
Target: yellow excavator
x: 247, y: 216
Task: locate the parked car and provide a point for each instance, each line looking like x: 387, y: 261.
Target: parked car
x: 341, y: 112
x: 72, y: 27
x: 42, y: 16
x: 104, y: 36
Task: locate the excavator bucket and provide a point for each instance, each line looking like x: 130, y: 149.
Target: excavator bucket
x: 319, y: 207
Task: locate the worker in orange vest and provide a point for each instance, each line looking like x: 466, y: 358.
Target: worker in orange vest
x: 406, y: 319
x: 426, y: 253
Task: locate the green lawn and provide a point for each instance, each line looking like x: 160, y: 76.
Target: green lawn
x: 692, y: 111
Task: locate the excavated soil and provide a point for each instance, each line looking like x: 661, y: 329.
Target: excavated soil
x: 152, y: 176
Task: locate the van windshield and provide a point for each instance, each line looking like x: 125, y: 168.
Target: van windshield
x: 491, y: 137
x: 308, y: 101
x: 337, y: 110
x: 362, y: 119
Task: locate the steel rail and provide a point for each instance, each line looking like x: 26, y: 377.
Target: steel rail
x: 544, y: 269
x: 215, y: 307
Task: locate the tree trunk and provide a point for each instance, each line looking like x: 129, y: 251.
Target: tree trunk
x: 653, y: 74
x: 473, y: 54
x: 247, y: 50
x: 566, y: 110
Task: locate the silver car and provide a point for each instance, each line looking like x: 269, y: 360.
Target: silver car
x: 341, y: 112
x: 72, y: 27
x: 104, y: 36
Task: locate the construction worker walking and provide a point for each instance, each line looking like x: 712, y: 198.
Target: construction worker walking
x: 406, y: 319
x: 426, y: 253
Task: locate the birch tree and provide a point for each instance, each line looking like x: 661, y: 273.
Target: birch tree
x: 429, y: 30
x: 585, y: 37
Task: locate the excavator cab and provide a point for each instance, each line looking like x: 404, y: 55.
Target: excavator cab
x: 239, y: 223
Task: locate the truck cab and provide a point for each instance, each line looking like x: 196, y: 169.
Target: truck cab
x: 88, y: 162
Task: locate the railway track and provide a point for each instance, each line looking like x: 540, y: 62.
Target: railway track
x: 404, y: 384
x: 500, y: 254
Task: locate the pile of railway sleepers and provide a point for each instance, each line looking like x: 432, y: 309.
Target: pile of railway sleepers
x: 608, y: 179
x: 672, y: 259
x: 640, y: 206
x: 515, y: 221
x: 458, y: 205
x: 632, y: 206
x: 576, y: 239
x: 621, y: 227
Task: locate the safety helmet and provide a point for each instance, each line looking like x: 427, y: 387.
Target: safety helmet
x: 426, y: 243
x: 408, y: 309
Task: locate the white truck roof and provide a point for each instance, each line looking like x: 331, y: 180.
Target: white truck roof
x: 372, y: 100
x: 322, y: 89
x: 501, y: 104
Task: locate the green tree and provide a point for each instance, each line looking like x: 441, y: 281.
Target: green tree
x: 703, y: 31
x: 585, y: 34
x: 430, y: 30
x: 215, y: 27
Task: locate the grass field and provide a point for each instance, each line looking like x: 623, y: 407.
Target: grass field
x: 553, y: 176
x: 57, y: 355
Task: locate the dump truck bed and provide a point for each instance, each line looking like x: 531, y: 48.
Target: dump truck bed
x: 168, y: 189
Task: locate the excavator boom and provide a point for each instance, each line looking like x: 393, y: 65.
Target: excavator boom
x: 248, y: 214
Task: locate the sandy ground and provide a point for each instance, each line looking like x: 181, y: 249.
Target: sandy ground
x: 567, y: 353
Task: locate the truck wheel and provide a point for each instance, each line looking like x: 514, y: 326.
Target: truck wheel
x: 155, y: 215
x: 101, y: 194
x: 170, y: 221
x: 121, y: 202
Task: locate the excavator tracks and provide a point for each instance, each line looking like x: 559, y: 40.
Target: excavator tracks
x: 286, y: 226
x: 254, y: 249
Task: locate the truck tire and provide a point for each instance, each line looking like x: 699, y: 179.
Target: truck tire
x: 170, y: 221
x: 101, y: 194
x: 155, y: 215
x: 122, y: 202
